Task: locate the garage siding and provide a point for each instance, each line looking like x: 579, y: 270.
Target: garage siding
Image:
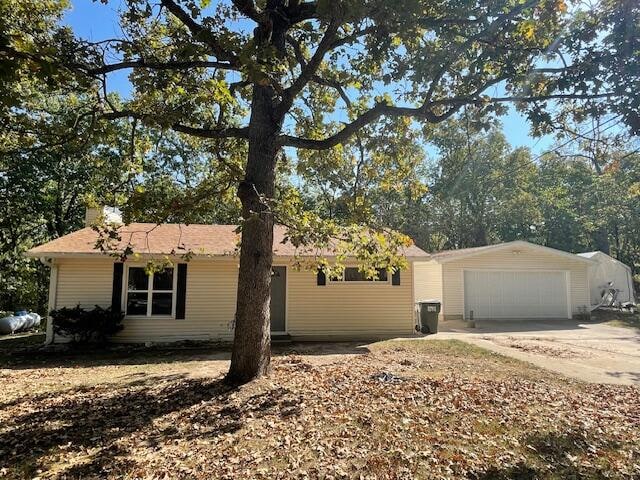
x: 527, y: 259
x: 346, y: 310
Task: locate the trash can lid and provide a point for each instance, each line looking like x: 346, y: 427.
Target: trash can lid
x: 430, y: 300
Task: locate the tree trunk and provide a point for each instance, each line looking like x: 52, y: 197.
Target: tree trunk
x: 252, y: 339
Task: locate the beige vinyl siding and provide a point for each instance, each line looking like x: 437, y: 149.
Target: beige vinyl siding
x: 348, y: 309
x: 527, y: 259
x: 85, y: 282
x: 210, y: 299
x: 427, y: 280
x: 210, y: 307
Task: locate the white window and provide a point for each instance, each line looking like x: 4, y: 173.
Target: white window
x: 150, y: 295
x: 353, y: 274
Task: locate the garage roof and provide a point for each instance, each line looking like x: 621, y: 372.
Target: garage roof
x: 451, y: 255
x: 598, y: 253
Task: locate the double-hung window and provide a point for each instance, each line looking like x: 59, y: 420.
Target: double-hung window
x: 152, y: 294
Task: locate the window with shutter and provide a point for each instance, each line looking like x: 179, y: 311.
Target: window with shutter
x: 150, y: 295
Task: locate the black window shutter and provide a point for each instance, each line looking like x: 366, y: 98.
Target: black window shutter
x: 181, y: 293
x: 322, y: 278
x: 116, y: 292
x: 395, y: 278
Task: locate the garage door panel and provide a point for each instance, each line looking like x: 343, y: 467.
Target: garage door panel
x: 515, y: 294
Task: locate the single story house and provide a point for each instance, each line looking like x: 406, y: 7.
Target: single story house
x: 609, y: 271
x: 505, y: 281
x: 196, y: 299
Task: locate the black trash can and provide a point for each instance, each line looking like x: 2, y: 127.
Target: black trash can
x: 428, y: 311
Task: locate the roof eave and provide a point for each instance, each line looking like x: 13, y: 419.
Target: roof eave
x: 502, y: 246
x: 31, y: 254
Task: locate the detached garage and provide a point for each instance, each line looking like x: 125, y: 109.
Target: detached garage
x: 509, y: 280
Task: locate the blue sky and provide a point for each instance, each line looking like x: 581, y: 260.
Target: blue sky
x: 96, y: 21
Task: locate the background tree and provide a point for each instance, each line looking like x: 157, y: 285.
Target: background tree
x: 44, y: 187
x: 310, y: 75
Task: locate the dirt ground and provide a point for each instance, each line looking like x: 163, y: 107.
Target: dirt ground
x: 411, y: 409
x: 599, y: 351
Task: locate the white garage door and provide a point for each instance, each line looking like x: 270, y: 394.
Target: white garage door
x: 512, y: 294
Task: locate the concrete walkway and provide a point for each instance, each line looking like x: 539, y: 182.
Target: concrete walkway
x: 591, y: 352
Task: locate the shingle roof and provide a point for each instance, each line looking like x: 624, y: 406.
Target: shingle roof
x: 168, y: 238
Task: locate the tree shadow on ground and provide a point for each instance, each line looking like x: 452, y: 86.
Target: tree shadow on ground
x: 97, y: 423
x: 111, y: 355
x: 634, y: 377
x: 136, y: 355
x: 553, y: 455
x: 321, y: 348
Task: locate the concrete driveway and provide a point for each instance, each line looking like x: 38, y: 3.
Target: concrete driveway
x: 592, y: 352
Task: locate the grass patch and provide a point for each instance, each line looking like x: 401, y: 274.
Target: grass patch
x: 395, y: 409
x: 439, y: 347
x: 617, y: 319
x: 468, y: 359
x: 627, y: 321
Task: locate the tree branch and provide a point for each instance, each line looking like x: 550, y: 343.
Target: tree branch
x: 248, y: 9
x: 200, y: 33
x: 349, y: 129
x: 310, y: 69
x: 223, y: 132
x: 354, y: 36
x: 300, y: 11
x: 297, y: 50
x: 335, y: 85
x: 172, y: 65
x: 424, y: 112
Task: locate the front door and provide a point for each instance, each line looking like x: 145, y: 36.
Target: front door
x: 278, y: 299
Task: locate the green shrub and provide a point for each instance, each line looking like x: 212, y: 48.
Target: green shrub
x: 87, y: 326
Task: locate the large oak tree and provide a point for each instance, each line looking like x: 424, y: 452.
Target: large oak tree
x: 278, y: 75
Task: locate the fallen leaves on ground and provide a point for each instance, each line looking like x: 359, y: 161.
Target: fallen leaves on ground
x: 399, y: 410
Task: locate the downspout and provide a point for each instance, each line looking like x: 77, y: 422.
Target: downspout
x: 53, y: 293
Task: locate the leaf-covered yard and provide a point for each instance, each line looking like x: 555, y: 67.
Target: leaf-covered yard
x: 405, y: 409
